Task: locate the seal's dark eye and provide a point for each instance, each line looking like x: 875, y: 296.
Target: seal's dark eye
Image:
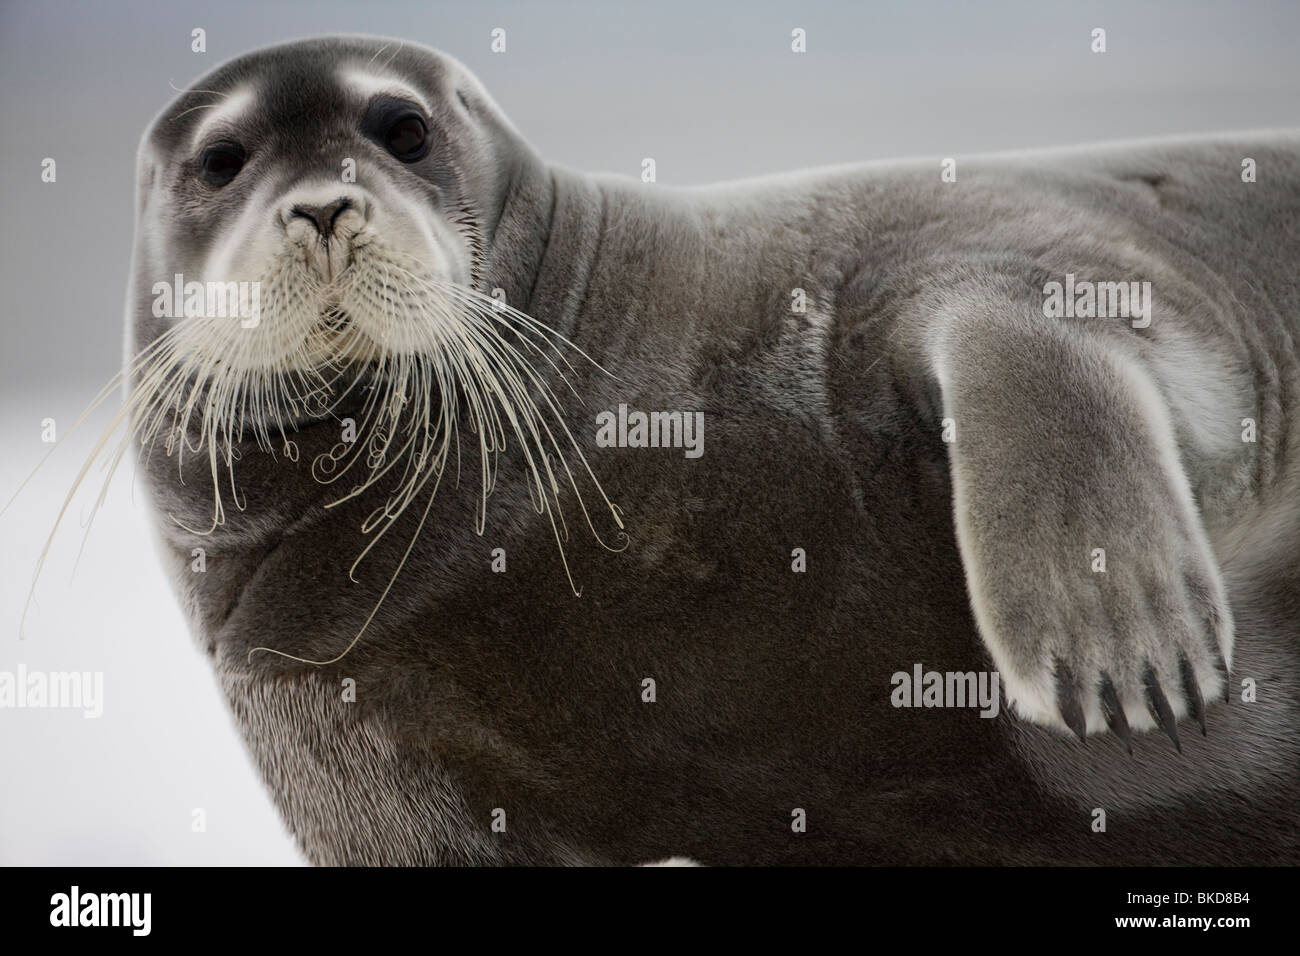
x: 221, y: 163
x: 407, y: 138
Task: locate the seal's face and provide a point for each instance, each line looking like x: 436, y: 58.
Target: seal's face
x: 313, y: 231
x: 327, y: 182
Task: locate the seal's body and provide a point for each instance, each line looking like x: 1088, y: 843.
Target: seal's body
x: 872, y: 354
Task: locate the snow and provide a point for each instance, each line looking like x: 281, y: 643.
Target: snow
x: 121, y: 789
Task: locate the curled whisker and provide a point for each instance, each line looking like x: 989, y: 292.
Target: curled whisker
x: 439, y: 366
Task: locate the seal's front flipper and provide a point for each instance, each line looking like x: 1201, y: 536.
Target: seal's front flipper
x: 1089, y: 571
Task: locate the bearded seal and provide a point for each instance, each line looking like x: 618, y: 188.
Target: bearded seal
x: 457, y: 628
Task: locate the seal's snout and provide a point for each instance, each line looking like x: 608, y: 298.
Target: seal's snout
x: 322, y: 216
x: 324, y: 223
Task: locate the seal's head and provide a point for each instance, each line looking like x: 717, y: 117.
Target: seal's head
x: 320, y: 226
x: 331, y: 173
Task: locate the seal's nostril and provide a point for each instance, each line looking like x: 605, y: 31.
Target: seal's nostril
x: 341, y: 206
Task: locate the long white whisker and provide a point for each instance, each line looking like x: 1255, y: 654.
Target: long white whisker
x: 435, y: 355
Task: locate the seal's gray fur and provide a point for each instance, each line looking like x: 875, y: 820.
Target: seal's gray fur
x: 478, y: 691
